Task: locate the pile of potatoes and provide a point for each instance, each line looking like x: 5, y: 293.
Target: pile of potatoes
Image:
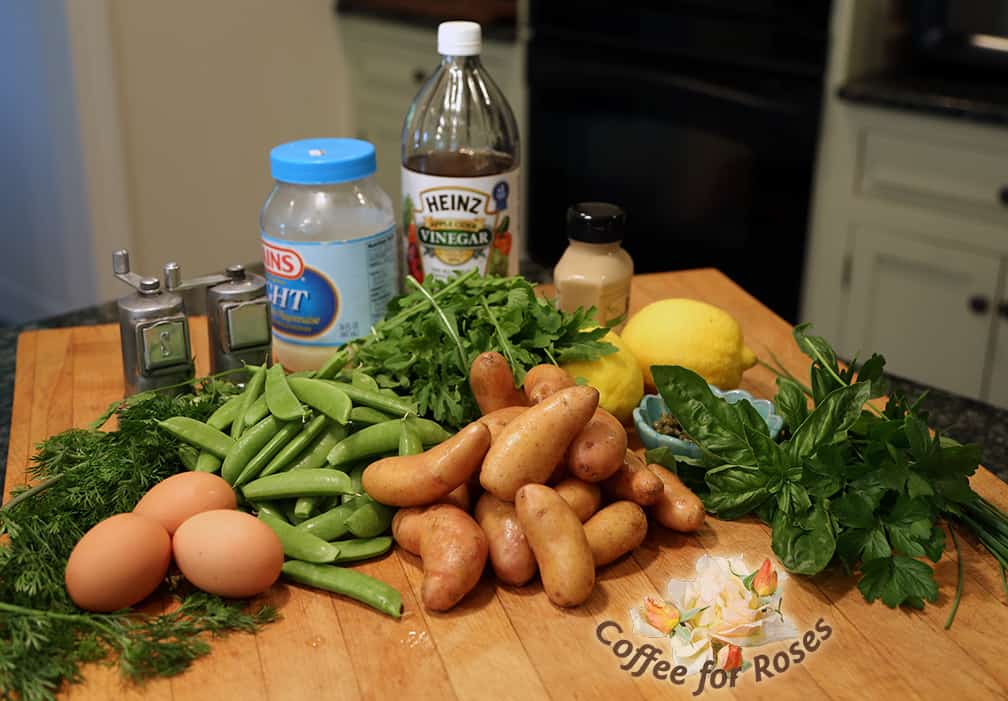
x: 546, y: 458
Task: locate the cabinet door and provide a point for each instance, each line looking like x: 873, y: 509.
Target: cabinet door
x: 997, y: 389
x: 913, y: 301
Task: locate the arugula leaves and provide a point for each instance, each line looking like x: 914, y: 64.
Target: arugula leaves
x: 864, y: 487
x: 429, y: 338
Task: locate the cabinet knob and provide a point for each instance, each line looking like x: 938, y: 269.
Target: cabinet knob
x: 420, y: 75
x: 1003, y: 309
x: 1003, y: 195
x: 979, y: 304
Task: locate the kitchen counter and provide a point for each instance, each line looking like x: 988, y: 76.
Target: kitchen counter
x: 966, y: 420
x: 975, y: 95
x: 507, y: 642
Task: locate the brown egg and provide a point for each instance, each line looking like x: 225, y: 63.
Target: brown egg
x: 228, y: 553
x: 118, y: 563
x: 183, y: 495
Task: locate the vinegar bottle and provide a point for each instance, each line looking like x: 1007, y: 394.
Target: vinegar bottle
x: 460, y: 167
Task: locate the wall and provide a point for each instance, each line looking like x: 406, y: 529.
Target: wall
x: 205, y: 90
x: 45, y: 234
x: 147, y: 124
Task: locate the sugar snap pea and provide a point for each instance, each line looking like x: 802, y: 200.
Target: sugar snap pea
x: 246, y: 447
x: 395, y: 405
x: 257, y: 412
x: 370, y: 519
x: 366, y: 415
x: 409, y: 440
x: 355, y: 549
x: 331, y: 524
x: 283, y: 485
x: 323, y: 396
x: 383, y: 438
x: 315, y: 455
x: 363, y: 381
x: 348, y: 582
x: 253, y: 388
x: 314, y: 458
x: 279, y: 398
x: 225, y: 413
x: 356, y: 482
x: 309, y: 432
x: 255, y: 466
x: 198, y: 434
x: 298, y: 544
x: 207, y: 462
x: 188, y: 456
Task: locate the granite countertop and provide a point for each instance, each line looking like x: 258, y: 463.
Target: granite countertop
x: 974, y: 95
x: 965, y: 420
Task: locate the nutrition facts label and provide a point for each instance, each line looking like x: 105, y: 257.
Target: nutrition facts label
x: 381, y: 258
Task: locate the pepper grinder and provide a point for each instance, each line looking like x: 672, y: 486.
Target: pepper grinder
x: 238, y: 321
x: 153, y: 332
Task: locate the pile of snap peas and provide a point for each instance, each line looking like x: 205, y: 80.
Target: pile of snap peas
x: 295, y: 449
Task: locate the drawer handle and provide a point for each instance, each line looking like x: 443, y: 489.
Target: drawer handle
x: 420, y: 75
x: 979, y: 304
x: 1003, y: 309
x: 1003, y: 195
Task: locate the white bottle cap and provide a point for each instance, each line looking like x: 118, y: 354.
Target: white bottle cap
x: 459, y: 39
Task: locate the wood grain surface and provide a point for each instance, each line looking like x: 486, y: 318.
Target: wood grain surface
x: 510, y: 643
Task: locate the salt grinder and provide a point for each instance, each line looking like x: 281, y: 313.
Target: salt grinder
x: 153, y: 331
x: 238, y: 321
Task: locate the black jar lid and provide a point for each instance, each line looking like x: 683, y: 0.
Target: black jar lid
x: 595, y: 222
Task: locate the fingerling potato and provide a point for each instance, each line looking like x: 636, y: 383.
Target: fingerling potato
x: 584, y: 497
x: 510, y: 555
x: 451, y: 545
x: 544, y: 380
x: 492, y: 383
x: 597, y: 451
x: 497, y: 420
x: 677, y: 507
x: 615, y: 530
x: 634, y: 481
x: 558, y: 540
x: 530, y: 446
x: 416, y: 480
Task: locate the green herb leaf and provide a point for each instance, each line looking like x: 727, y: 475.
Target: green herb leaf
x: 791, y: 402
x: 719, y: 428
x: 830, y: 420
x: 735, y: 490
x: 896, y: 580
x: 804, y: 544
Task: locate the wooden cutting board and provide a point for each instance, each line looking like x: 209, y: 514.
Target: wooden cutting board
x: 511, y: 643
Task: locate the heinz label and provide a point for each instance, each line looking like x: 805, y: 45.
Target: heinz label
x: 328, y: 293
x: 454, y: 225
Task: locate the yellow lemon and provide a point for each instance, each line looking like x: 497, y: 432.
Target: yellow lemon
x: 617, y: 376
x: 696, y: 335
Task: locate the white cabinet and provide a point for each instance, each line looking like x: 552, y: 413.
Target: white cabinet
x: 389, y: 61
x: 908, y: 246
x: 998, y: 382
x: 925, y: 305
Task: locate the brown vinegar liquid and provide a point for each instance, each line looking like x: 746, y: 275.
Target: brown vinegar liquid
x: 460, y: 164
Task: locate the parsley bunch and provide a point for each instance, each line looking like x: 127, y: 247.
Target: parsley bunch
x: 86, y: 476
x: 850, y: 484
x: 430, y: 336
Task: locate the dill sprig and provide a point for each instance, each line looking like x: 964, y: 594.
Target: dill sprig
x: 92, y: 474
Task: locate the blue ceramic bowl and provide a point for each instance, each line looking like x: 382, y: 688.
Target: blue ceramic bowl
x: 652, y: 408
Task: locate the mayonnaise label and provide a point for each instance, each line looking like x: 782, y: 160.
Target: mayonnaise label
x: 328, y: 293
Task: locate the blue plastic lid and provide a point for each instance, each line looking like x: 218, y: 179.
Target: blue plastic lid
x: 322, y: 161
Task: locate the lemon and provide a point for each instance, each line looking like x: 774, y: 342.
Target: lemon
x: 617, y: 376
x: 696, y: 335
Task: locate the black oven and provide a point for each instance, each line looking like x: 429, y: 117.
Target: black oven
x: 698, y: 118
